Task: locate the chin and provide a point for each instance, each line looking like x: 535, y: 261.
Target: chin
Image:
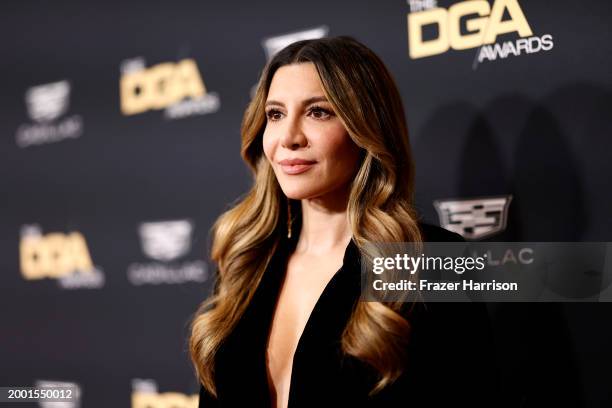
x: 297, y: 193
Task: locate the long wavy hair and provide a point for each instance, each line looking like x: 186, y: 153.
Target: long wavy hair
x: 380, y: 206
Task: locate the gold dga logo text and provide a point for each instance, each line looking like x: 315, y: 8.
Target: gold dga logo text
x: 160, y: 86
x: 54, y: 255
x: 163, y: 400
x: 482, y: 22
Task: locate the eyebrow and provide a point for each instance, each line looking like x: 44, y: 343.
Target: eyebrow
x: 304, y: 102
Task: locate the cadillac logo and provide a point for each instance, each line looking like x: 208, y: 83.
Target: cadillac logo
x: 474, y: 218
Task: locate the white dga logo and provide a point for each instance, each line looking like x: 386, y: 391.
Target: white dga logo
x: 474, y: 218
x: 47, y: 102
x: 272, y: 45
x: 75, y: 403
x: 45, y: 105
x: 166, y: 240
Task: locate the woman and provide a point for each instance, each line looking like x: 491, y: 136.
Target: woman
x: 326, y: 138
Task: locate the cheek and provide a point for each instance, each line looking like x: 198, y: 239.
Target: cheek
x: 343, y: 161
x: 341, y: 150
x: 268, y: 145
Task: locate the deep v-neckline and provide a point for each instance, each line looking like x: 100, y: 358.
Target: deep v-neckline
x: 280, y: 276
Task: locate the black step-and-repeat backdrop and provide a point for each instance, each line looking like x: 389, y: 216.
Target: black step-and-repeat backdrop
x: 120, y: 146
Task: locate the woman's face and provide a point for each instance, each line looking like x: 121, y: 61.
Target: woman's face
x: 301, y: 124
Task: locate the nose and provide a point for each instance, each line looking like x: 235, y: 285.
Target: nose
x: 293, y: 136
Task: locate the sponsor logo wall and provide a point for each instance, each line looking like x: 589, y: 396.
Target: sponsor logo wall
x: 117, y: 156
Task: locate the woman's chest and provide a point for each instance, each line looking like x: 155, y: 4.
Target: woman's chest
x: 305, y: 335
x: 303, y: 284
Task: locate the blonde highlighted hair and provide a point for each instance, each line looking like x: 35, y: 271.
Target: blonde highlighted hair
x: 380, y: 206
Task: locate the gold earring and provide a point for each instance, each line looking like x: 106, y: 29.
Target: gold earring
x: 289, y: 220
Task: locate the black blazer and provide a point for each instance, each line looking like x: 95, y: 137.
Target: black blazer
x: 449, y: 352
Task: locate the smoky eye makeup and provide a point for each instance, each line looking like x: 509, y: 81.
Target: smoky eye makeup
x: 271, y: 114
x: 321, y: 110
x: 315, y: 110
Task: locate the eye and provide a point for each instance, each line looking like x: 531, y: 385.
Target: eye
x: 320, y: 113
x: 273, y: 115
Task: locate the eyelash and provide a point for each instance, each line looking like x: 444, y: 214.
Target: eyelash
x: 272, y: 112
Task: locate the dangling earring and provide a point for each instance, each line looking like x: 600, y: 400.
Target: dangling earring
x: 289, y: 220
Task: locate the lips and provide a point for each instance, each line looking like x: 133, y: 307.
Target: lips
x: 292, y: 162
x: 296, y: 166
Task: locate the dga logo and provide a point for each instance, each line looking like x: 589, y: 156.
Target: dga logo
x: 45, y: 105
x: 471, y: 24
x: 75, y: 394
x: 176, y: 87
x: 145, y: 395
x: 166, y: 242
x: 272, y: 45
x: 57, y: 255
x: 474, y: 218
